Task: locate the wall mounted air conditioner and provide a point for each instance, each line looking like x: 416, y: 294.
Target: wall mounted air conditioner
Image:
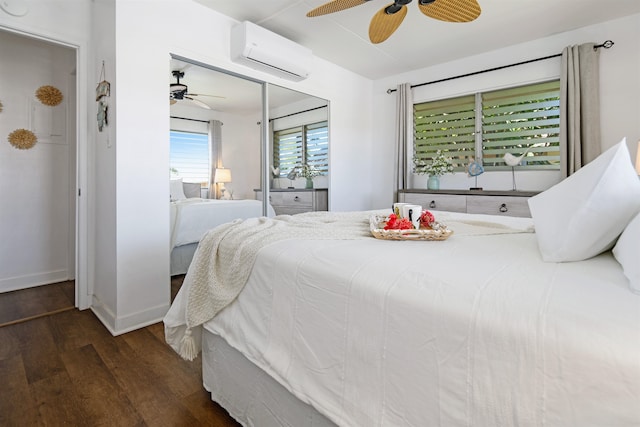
x: 263, y: 50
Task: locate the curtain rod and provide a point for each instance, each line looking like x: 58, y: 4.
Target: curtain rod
x: 299, y: 112
x: 186, y: 118
x: 607, y: 44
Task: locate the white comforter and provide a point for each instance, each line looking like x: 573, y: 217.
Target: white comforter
x: 473, y: 331
x: 192, y: 218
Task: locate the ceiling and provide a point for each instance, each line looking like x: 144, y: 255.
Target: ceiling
x: 420, y: 41
x: 225, y: 92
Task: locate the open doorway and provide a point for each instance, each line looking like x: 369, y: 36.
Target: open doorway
x: 38, y: 158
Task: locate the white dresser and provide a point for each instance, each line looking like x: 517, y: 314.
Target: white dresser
x: 511, y: 203
x: 293, y: 201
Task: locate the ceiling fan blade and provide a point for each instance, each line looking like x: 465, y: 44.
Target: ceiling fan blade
x: 451, y: 10
x: 204, y: 94
x: 383, y: 24
x: 334, y: 6
x: 198, y: 102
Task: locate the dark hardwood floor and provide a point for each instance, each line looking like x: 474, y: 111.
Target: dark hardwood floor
x: 25, y: 304
x: 67, y: 369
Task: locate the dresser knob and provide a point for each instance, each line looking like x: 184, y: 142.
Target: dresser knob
x: 432, y: 205
x: 296, y: 199
x: 503, y: 207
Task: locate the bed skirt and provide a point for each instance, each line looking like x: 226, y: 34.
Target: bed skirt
x: 251, y: 396
x: 181, y: 257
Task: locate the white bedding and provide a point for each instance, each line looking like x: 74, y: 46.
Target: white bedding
x: 191, y: 218
x: 473, y: 331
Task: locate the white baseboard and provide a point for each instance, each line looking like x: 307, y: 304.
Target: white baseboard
x: 121, y: 325
x: 32, y: 280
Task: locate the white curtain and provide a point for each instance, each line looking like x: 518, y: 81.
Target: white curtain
x: 215, y: 155
x: 404, y: 136
x: 579, y: 107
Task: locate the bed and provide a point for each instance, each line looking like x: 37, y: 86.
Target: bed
x: 327, y: 325
x: 192, y: 216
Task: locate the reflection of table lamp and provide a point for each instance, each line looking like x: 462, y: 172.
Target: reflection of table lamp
x: 293, y: 174
x: 222, y: 176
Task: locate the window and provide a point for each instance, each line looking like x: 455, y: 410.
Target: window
x: 509, y: 121
x: 289, y: 150
x: 189, y: 156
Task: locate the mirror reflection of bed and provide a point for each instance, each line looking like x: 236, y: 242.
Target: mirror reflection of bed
x: 216, y: 127
x: 192, y: 216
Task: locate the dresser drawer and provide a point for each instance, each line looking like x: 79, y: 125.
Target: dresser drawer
x: 498, y: 205
x: 290, y: 210
x: 438, y: 202
x: 303, y: 199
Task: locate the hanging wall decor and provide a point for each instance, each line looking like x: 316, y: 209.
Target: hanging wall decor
x: 49, y: 95
x: 103, y: 115
x: 22, y: 139
x: 104, y: 87
x: 103, y: 90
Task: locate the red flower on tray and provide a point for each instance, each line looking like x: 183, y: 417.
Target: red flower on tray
x: 395, y: 223
x: 427, y: 219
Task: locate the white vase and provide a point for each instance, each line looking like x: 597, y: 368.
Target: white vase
x: 433, y: 183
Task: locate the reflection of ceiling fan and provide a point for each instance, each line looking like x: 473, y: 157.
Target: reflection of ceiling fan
x: 389, y: 18
x: 179, y: 92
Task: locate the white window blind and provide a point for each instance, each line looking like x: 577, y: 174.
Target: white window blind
x: 512, y: 121
x: 317, y: 151
x: 519, y: 119
x: 289, y: 150
x: 189, y: 156
x: 446, y: 125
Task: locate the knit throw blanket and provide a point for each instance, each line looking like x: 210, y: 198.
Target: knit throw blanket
x: 224, y: 258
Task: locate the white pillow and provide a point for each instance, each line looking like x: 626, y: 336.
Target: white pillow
x: 583, y: 215
x: 627, y: 252
x: 176, y: 192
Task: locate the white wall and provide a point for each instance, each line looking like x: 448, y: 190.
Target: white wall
x: 124, y: 180
x: 142, y: 140
x: 36, y: 185
x: 619, y: 91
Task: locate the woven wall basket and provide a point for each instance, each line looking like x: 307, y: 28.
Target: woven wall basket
x: 22, y: 139
x: 49, y: 95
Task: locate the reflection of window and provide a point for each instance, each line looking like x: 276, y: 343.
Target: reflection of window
x: 189, y: 156
x: 511, y: 121
x: 307, y: 144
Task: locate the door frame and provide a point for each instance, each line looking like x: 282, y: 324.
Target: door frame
x: 83, y: 222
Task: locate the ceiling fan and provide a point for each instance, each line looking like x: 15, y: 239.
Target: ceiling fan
x: 179, y: 92
x: 389, y: 18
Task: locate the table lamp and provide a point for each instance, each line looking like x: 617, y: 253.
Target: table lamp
x: 222, y: 176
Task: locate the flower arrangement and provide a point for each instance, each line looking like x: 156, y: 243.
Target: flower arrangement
x: 309, y: 171
x: 439, y: 165
x: 427, y: 220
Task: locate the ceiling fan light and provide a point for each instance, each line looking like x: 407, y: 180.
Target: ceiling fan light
x: 177, y: 87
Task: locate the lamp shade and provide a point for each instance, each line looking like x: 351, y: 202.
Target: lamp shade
x: 222, y: 175
x: 638, y: 159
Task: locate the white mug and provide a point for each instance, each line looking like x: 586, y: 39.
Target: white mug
x: 412, y: 212
x: 397, y: 209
